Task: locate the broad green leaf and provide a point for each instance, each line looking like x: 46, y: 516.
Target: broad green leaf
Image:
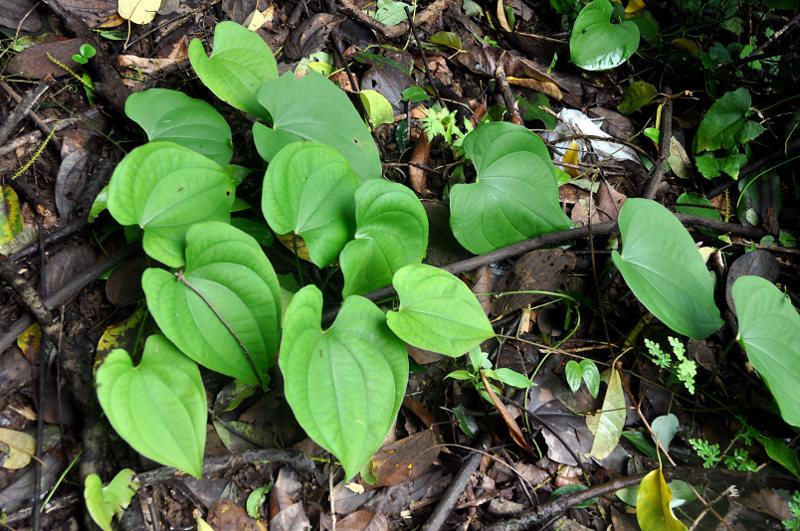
x: 345, y: 385
x: 596, y: 43
x: 653, y: 509
x: 159, y: 406
x: 104, y: 502
x: 769, y: 330
x: 414, y: 94
x: 270, y: 141
x: 725, y: 125
x: 10, y: 214
x: 379, y: 110
x: 309, y: 190
x: 173, y: 116
x: 240, y: 62
x: 533, y: 110
x: 515, y: 196
x: 696, y: 205
x: 643, y: 443
x: 391, y: 232
x: 228, y: 287
x: 665, y: 427
x: 637, y: 95
x: 512, y: 378
x: 610, y: 420
x: 390, y: 12
x: 437, y: 312
x: 591, y: 376
x: 447, y: 39
x: 664, y: 269
x: 256, y: 499
x: 781, y: 454
x: 165, y: 189
x: 710, y: 166
x: 573, y: 374
x: 315, y: 109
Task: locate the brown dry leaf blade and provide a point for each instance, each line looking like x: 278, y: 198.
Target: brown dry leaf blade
x: 66, y: 264
x: 292, y: 518
x: 565, y: 433
x: 70, y: 181
x: 405, y: 459
x: 363, y: 521
x: 227, y: 514
x: 420, y: 155
x: 311, y: 35
x: 33, y: 62
x: 759, y: 263
x: 541, y: 270
x: 513, y: 427
x: 483, y: 284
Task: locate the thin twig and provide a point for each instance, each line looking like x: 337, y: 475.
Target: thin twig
x: 456, y: 487
x: 424, y: 58
x: 657, y: 174
x: 24, y: 106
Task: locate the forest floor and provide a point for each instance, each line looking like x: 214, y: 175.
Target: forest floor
x: 454, y: 460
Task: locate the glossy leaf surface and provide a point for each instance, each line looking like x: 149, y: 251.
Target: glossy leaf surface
x: 165, y: 189
x: 663, y: 268
x: 239, y: 63
x: 345, y: 385
x: 159, y: 406
x: 315, y: 109
x: 515, y: 196
x: 726, y: 123
x: 229, y: 288
x: 309, y: 189
x: 391, y: 232
x: 769, y: 329
x: 596, y: 43
x: 172, y: 116
x: 437, y: 311
x: 653, y: 509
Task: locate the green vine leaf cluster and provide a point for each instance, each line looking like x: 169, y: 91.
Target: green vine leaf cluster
x: 218, y: 300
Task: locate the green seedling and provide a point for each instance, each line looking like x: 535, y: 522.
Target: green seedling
x: 86, y: 52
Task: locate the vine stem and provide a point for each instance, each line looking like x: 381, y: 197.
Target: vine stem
x: 181, y: 278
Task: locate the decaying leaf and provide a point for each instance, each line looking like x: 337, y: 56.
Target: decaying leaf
x: 18, y: 446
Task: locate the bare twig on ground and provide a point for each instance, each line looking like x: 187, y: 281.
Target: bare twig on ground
x: 657, y: 175
x: 692, y: 475
x: 24, y: 106
x: 40, y: 123
x: 427, y: 16
x: 448, y: 501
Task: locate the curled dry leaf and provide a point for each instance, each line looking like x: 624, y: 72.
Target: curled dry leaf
x: 420, y: 155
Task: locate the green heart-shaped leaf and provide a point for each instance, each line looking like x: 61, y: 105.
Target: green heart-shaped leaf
x: 392, y: 232
x: 345, y: 385
x: 769, y: 329
x: 437, y: 311
x: 173, y: 116
x: 227, y: 296
x: 309, y: 189
x: 104, y: 502
x: 663, y: 268
x: 240, y: 63
x: 165, y: 189
x: 315, y: 109
x: 515, y: 196
x: 596, y: 43
x: 158, y: 407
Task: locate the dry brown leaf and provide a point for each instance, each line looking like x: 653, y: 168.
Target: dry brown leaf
x: 421, y: 154
x: 405, y: 459
x: 513, y: 427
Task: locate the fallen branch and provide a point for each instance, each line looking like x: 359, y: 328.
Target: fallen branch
x: 691, y: 475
